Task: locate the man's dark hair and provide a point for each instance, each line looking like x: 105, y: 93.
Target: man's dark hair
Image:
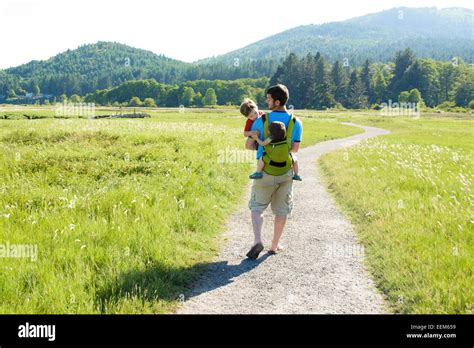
x: 279, y: 92
x: 277, y: 130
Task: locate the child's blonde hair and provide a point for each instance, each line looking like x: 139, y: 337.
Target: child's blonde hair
x: 247, y: 106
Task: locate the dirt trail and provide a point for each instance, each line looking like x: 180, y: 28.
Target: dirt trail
x: 321, y: 270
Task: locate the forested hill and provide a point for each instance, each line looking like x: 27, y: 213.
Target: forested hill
x: 106, y: 64
x: 430, y: 33
x: 100, y: 65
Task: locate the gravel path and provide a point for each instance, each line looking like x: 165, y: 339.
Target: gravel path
x: 321, y: 270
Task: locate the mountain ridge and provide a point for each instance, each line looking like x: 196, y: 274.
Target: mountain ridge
x: 370, y: 31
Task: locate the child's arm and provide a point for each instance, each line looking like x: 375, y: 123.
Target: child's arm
x: 264, y: 142
x: 253, y: 134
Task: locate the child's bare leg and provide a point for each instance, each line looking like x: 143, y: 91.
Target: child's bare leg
x: 295, y: 167
x: 295, y: 170
x: 258, y: 174
x: 260, y: 165
x: 250, y: 144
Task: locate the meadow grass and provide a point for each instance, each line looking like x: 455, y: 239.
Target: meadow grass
x: 124, y: 213
x: 410, y: 197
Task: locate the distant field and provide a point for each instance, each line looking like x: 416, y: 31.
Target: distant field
x: 410, y: 195
x: 124, y: 212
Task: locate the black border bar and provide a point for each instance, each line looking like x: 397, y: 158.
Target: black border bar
x: 242, y: 329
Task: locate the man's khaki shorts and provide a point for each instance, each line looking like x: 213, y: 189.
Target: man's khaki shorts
x: 277, y: 190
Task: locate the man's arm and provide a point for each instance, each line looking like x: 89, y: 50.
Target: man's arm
x: 297, y: 136
x: 295, y: 146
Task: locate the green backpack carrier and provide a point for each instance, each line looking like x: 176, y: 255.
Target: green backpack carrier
x: 276, y: 155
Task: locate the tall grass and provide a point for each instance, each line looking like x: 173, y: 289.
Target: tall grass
x: 410, y: 195
x: 124, y: 212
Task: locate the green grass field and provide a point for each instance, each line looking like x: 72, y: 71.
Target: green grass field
x: 124, y: 212
x: 410, y: 196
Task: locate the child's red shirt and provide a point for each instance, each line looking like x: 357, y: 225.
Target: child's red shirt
x: 249, y: 123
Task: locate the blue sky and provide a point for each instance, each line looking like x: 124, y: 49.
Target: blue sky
x: 182, y: 29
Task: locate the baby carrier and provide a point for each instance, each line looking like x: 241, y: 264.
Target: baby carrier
x: 276, y: 155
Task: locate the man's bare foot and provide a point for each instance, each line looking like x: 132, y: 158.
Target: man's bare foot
x: 276, y: 250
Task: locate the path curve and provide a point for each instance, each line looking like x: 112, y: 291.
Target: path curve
x: 321, y: 270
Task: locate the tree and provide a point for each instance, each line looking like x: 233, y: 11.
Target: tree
x: 306, y: 84
x: 321, y: 90
x: 36, y: 90
x: 447, y: 79
x: 464, y: 93
x: 403, y: 60
x: 135, y: 101
x: 379, y: 87
x: 187, y: 98
x: 403, y: 97
x: 413, y: 77
x: 11, y: 94
x: 339, y: 81
x: 63, y: 98
x: 278, y: 76
x: 356, y: 92
x: 366, y: 79
x: 75, y: 98
x: 20, y: 91
x: 172, y: 96
x: 289, y: 74
x: 429, y: 85
x: 198, y: 99
x: 149, y: 103
x: 415, y: 96
x: 210, y: 97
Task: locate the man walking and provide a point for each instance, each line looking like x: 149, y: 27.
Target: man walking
x: 276, y: 190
